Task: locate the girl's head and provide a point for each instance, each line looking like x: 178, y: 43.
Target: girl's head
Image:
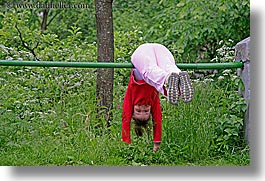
x: 141, y: 117
x: 141, y: 112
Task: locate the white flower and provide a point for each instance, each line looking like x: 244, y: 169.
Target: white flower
x: 208, y: 80
x: 227, y: 71
x: 234, y: 77
x: 221, y: 77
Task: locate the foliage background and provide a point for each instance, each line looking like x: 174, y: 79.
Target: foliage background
x: 47, y: 115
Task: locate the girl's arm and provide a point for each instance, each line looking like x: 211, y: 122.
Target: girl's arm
x: 157, y: 119
x: 127, y: 110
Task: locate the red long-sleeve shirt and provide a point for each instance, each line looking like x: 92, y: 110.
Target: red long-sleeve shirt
x: 141, y: 93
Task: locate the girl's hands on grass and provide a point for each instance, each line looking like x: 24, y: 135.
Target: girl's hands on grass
x: 156, y: 146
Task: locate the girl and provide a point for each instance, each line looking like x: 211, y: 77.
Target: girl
x: 155, y: 72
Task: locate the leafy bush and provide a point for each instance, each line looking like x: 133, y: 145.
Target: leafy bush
x: 191, y: 29
x: 125, y: 44
x: 229, y: 130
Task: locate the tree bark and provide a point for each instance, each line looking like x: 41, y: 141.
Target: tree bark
x: 105, y: 50
x: 44, y: 19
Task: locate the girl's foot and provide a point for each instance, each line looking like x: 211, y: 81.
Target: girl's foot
x: 186, y: 89
x: 173, y: 91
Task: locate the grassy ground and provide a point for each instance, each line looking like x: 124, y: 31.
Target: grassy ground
x: 47, y: 117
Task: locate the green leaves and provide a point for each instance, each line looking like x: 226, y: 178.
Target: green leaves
x: 191, y: 26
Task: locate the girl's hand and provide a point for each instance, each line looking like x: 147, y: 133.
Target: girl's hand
x: 156, y: 146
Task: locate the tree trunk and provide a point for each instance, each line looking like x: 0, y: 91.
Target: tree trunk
x: 44, y: 19
x: 105, y: 50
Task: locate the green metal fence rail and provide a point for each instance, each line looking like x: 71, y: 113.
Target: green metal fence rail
x: 230, y: 65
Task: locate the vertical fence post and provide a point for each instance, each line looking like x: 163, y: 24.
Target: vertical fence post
x: 242, y: 53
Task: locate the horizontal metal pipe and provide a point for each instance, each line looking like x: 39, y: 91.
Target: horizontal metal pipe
x: 230, y: 65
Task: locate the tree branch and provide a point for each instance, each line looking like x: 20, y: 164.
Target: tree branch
x: 52, y: 18
x: 24, y: 44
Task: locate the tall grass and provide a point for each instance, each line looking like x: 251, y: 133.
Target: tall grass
x: 48, y: 117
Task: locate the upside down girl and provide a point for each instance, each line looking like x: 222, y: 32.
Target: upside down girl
x: 155, y: 72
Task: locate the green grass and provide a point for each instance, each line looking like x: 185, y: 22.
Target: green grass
x: 48, y: 117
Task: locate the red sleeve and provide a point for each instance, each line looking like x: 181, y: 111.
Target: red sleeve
x: 127, y: 110
x: 157, y: 119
